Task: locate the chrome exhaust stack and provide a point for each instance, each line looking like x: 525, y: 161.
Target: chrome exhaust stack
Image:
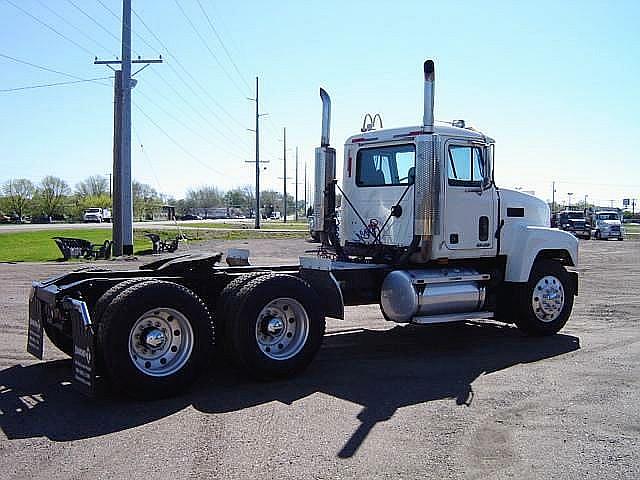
x: 427, y: 183
x: 324, y: 199
x: 326, y: 118
x: 429, y: 93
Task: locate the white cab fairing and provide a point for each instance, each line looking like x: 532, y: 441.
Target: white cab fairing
x: 526, y: 233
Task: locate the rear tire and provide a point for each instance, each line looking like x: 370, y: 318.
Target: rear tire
x: 546, y: 300
x: 226, y: 307
x: 154, y: 338
x: 277, y: 326
x: 107, y: 297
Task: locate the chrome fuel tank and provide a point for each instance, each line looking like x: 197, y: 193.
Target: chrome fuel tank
x: 409, y: 293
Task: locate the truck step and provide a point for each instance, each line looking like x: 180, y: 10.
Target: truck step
x: 451, y: 317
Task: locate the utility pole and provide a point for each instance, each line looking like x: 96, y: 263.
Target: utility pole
x: 296, y: 204
x: 284, y: 150
x: 553, y: 196
x: 257, y: 160
x: 122, y: 232
x: 305, y: 189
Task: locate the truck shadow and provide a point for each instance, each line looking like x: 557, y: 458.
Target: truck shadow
x: 380, y: 370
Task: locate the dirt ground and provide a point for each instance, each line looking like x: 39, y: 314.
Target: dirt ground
x: 472, y: 400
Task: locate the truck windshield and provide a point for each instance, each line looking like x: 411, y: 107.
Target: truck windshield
x: 607, y: 216
x: 392, y: 165
x: 575, y: 215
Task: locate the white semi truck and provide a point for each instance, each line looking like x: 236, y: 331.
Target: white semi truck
x: 95, y: 214
x: 424, y: 232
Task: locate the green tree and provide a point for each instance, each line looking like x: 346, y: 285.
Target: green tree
x: 94, y: 185
x: 206, y: 196
x: 146, y: 200
x: 19, y: 195
x: 52, y: 194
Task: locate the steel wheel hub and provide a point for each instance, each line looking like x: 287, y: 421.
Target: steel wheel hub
x: 282, y: 328
x: 160, y: 342
x: 548, y: 298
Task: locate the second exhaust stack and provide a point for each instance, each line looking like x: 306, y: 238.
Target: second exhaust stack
x: 429, y: 86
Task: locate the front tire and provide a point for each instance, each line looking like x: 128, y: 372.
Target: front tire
x: 277, y: 326
x: 546, y: 300
x: 154, y: 337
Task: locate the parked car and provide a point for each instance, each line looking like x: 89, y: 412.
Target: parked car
x: 41, y: 219
x: 190, y: 216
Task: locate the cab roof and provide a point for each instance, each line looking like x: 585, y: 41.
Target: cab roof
x: 396, y: 134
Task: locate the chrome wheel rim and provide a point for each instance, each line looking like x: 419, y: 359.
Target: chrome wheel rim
x: 160, y: 342
x: 282, y: 328
x: 548, y: 298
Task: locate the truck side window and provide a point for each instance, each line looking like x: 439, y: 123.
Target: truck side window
x: 379, y: 166
x: 466, y: 167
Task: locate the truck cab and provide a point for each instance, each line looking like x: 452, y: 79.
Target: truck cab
x: 386, y: 186
x: 606, y: 224
x: 573, y: 221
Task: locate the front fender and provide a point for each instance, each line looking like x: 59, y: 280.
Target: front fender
x: 523, y: 243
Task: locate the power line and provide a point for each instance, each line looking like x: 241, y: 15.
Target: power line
x: 182, y: 79
x: 215, y: 31
x: 71, y: 82
x: 94, y: 20
x: 193, y: 79
x: 176, y: 143
x: 49, y: 27
x: 185, y: 126
x: 179, y: 76
x: 44, y: 5
x: 197, y: 112
x: 144, y: 152
x: 46, y: 69
x: 204, y: 42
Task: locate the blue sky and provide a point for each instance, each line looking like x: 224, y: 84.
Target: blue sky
x: 555, y: 83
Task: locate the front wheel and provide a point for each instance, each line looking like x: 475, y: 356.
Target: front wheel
x: 546, y: 299
x: 154, y: 337
x: 277, y: 326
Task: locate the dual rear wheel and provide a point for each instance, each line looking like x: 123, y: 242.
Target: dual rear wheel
x: 154, y: 336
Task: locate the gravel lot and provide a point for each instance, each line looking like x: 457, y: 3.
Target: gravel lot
x: 475, y: 400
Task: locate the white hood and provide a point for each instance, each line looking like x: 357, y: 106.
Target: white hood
x: 536, y: 211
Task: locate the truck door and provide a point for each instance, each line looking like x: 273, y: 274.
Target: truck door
x: 470, y: 198
x: 379, y: 177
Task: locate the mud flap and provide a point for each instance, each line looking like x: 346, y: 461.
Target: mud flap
x: 35, y: 327
x: 84, y: 351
